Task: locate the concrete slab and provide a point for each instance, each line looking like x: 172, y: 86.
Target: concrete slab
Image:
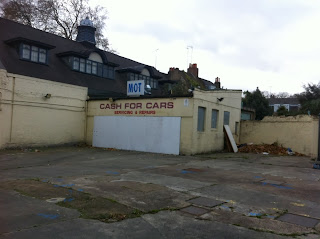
x: 263, y: 223
x: 197, y: 211
x: 175, y: 183
x: 161, y: 225
x: 18, y: 212
x: 155, y: 183
x: 246, y: 200
x: 205, y: 202
x: 299, y: 220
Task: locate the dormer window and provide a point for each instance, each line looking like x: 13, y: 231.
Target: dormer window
x: 30, y: 50
x: 91, y: 67
x: 33, y: 53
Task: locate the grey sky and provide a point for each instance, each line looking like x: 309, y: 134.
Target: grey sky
x: 272, y: 44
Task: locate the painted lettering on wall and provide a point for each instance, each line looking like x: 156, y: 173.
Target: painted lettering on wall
x: 136, y: 108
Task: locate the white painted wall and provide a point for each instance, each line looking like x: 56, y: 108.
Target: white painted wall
x: 147, y: 134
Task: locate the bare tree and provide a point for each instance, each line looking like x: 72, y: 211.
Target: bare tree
x: 281, y: 95
x: 59, y: 17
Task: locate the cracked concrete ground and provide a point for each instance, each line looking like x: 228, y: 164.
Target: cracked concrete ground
x: 148, y: 195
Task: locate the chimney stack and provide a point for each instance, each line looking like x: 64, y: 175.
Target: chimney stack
x: 217, y: 83
x: 193, y: 69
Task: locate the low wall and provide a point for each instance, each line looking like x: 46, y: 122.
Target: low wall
x: 300, y: 133
x: 28, y: 118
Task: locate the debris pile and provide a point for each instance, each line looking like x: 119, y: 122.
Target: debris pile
x: 267, y: 149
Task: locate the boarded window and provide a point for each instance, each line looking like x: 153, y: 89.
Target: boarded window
x: 214, y: 119
x: 201, y: 118
x: 226, y: 118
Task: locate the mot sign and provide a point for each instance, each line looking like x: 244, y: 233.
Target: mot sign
x: 135, y: 87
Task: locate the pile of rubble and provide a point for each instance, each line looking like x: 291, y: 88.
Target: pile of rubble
x: 266, y: 149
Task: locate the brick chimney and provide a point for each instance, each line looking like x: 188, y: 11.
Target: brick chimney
x: 217, y: 83
x: 174, y: 74
x: 193, y: 69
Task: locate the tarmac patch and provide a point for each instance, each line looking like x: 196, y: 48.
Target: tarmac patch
x: 299, y: 220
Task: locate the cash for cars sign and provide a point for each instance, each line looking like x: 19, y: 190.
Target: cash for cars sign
x: 137, y: 108
x: 135, y: 88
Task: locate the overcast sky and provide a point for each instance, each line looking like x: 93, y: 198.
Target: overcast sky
x: 270, y: 44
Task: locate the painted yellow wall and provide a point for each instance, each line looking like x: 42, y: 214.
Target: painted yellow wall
x: 191, y: 141
x: 212, y: 139
x: 300, y: 133
x: 5, y: 109
x: 31, y: 119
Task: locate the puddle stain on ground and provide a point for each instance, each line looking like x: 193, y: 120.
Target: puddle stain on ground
x: 255, y: 214
x: 63, y: 185
x: 68, y: 199
x: 112, y: 172
x: 186, y: 171
x: 275, y: 185
x: 49, y: 216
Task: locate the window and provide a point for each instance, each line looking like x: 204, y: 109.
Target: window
x: 88, y: 69
x: 76, y: 63
x: 82, y: 65
x: 42, y: 55
x: 33, y: 53
x: 111, y: 72
x: 201, y: 118
x: 91, y: 67
x: 94, y: 68
x: 236, y: 128
x: 226, y: 118
x: 214, y: 119
x: 100, y: 69
x: 25, y: 51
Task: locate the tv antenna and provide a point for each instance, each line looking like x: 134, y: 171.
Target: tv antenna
x: 189, y: 48
x: 155, y: 60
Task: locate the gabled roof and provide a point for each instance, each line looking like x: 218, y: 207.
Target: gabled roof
x: 57, y: 69
x: 283, y: 101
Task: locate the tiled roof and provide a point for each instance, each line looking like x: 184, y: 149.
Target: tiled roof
x: 282, y: 101
x: 57, y: 70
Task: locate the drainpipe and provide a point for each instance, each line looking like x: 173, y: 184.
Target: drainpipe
x: 12, y: 104
x: 318, y: 158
